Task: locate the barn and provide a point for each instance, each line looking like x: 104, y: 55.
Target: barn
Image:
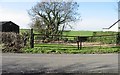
x: 116, y: 26
x: 9, y: 26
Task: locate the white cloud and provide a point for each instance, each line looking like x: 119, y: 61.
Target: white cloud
x: 93, y: 24
x: 22, y: 19
x: 19, y: 17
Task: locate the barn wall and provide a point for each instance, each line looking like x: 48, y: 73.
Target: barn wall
x: 14, y: 27
x: 10, y: 27
x: 114, y: 28
x: 0, y: 28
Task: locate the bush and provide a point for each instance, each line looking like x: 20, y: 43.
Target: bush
x: 103, y: 39
x: 12, y: 42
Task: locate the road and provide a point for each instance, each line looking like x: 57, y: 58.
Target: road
x: 59, y: 63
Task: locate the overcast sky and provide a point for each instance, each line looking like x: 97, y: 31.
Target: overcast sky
x: 94, y: 15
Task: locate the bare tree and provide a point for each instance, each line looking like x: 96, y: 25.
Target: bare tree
x: 48, y: 17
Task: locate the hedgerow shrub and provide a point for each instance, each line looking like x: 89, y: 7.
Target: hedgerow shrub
x: 104, y: 39
x: 12, y: 42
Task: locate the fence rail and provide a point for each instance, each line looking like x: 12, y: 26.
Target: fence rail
x: 79, y: 41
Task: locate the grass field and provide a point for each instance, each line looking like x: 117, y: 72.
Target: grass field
x: 68, y: 33
x: 24, y: 30
x: 78, y: 33
x: 69, y: 49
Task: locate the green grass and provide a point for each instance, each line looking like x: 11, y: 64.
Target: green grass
x: 78, y: 33
x: 24, y: 30
x: 68, y: 33
x: 69, y: 49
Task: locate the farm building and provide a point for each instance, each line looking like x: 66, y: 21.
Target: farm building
x: 8, y: 26
x: 116, y: 26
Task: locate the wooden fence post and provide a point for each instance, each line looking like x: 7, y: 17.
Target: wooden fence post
x: 100, y: 41
x: 118, y: 39
x: 32, y: 39
x: 79, y: 42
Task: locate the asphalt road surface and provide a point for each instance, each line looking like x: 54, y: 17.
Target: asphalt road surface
x: 59, y: 63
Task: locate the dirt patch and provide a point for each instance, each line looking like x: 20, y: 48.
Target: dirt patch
x: 87, y: 44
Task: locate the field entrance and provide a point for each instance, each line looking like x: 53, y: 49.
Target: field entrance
x: 105, y: 43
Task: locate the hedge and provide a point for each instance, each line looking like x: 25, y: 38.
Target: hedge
x: 11, y: 42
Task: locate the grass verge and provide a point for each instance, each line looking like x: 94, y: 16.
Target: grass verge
x: 69, y: 49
